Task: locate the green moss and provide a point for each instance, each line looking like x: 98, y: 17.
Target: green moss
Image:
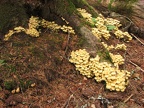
x: 37, y: 52
x: 110, y: 4
x: 78, y: 3
x: 90, y: 24
x: 105, y: 56
x: 82, y: 41
x: 99, y: 1
x: 24, y: 84
x: 11, y: 16
x: 18, y: 44
x: 71, y: 8
x: 64, y: 7
x: 84, y: 4
x: 2, y: 62
x: 12, y: 68
x: 9, y: 85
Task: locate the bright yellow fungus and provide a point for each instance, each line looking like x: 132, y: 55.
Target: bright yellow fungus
x: 100, y: 30
x: 34, y: 30
x: 121, y: 47
x: 116, y: 79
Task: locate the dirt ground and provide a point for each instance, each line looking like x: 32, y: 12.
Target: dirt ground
x: 39, y: 67
x: 36, y: 73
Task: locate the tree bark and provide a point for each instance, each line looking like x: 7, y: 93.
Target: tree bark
x: 67, y: 9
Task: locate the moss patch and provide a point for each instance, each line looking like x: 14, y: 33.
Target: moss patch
x: 65, y: 7
x: 84, y: 4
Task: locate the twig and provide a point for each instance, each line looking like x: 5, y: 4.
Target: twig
x: 2, y: 99
x: 126, y: 100
x: 136, y: 66
x: 113, y: 15
x: 137, y: 39
x: 127, y: 18
x: 67, y: 102
x: 124, y: 67
x: 68, y: 40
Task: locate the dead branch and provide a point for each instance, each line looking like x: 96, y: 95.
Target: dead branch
x: 126, y: 100
x: 68, y: 40
x: 67, y: 102
x: 137, y: 39
x: 136, y: 66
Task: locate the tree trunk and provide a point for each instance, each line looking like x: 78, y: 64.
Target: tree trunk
x: 67, y: 9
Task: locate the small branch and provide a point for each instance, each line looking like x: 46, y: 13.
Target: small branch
x: 2, y: 99
x: 113, y: 14
x: 126, y: 100
x: 136, y: 66
x: 137, y: 39
x: 124, y: 67
x: 68, y: 40
x: 67, y: 102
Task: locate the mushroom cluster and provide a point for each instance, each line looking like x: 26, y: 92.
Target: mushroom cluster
x: 116, y: 79
x: 96, y: 33
x: 121, y: 47
x: 108, y: 47
x: 53, y: 26
x: 117, y: 59
x: 11, y: 32
x: 34, y: 30
x: 19, y: 29
x: 85, y: 14
x: 111, y: 21
x: 123, y: 35
x: 8, y: 35
x: 117, y: 47
x: 33, y: 25
x: 100, y: 19
x: 105, y: 34
x: 34, y: 22
x: 81, y: 58
x: 50, y: 25
x: 99, y: 33
x: 67, y: 29
x: 102, y: 25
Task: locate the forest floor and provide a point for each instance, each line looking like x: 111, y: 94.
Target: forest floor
x: 36, y: 73
x: 39, y: 67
